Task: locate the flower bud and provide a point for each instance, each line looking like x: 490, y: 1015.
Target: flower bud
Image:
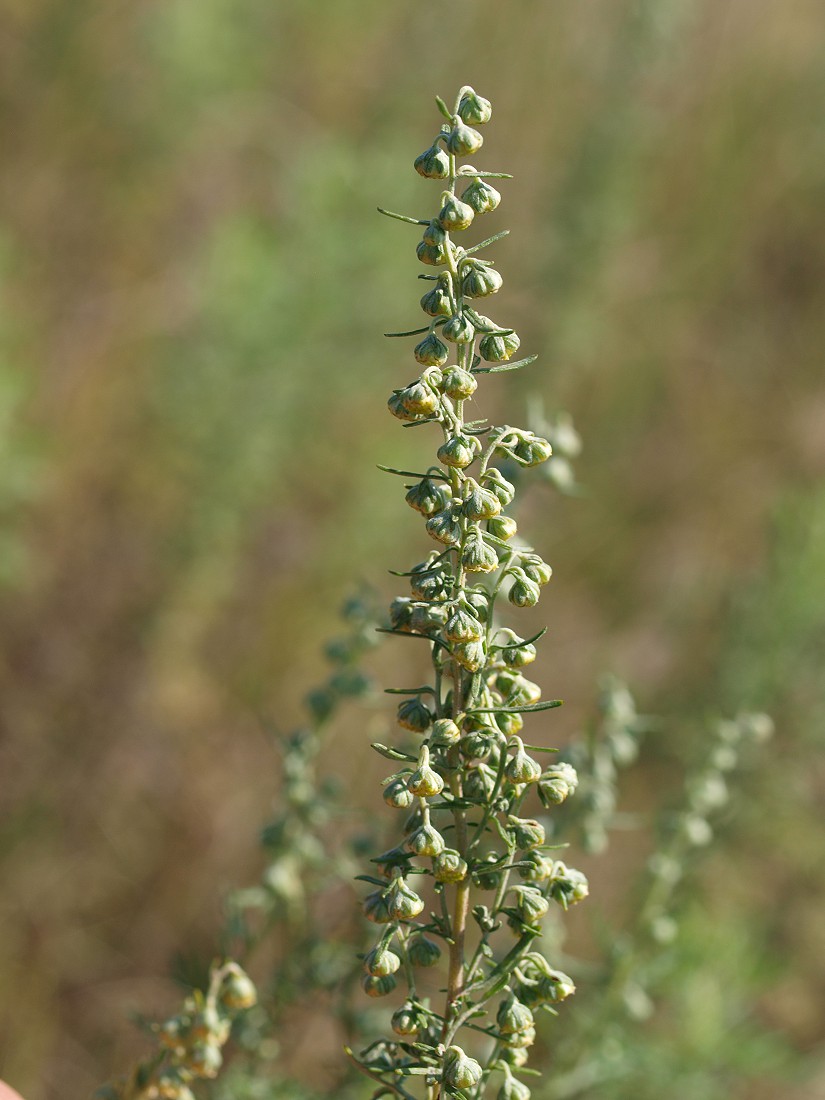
x: 513, y: 1089
x: 378, y: 986
x: 536, y: 569
x: 497, y: 483
x: 487, y: 876
x: 498, y: 347
x: 513, y: 1016
x: 534, y: 867
x: 459, y: 329
x: 433, y: 163
x: 480, y: 781
x: 514, y: 1056
x: 557, y: 783
x: 238, y: 991
x: 414, y: 715
x: 567, y: 885
x: 470, y: 655
x: 531, y: 904
x: 526, y: 832
x: 478, y: 744
x: 419, y: 399
x: 449, y: 866
x: 170, y: 1086
x: 524, y: 592
x: 478, y: 601
x: 531, y: 450
x: 477, y: 555
x: 522, y: 1039
x: 463, y: 140
x: 395, y: 404
x: 438, y: 302
x: 459, y: 451
x: 481, y: 196
x: 479, y: 503
x: 458, y: 383
x: 425, y: 841
x: 408, y: 1019
x: 422, y: 951
x: 402, y: 902
x: 376, y: 908
x: 445, y: 733
x: 696, y: 830
x: 479, y: 279
x: 426, y: 496
x: 521, y: 768
x: 509, y: 722
x: 204, y: 1060
x: 454, y: 214
x: 458, y: 1070
x: 431, y: 584
x: 426, y: 617
x: 424, y: 781
x: 444, y: 527
x: 380, y: 961
x: 474, y: 109
x: 515, y: 652
x: 431, y: 351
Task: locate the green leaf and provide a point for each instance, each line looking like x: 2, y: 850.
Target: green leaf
x: 392, y: 754
x: 401, y: 217
x: 445, y: 110
x: 489, y: 240
x: 371, y: 879
x: 410, y: 332
x: 527, y: 641
x: 529, y: 708
x: 499, y: 368
x: 426, y: 690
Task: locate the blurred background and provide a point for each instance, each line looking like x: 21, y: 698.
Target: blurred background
x: 192, y: 404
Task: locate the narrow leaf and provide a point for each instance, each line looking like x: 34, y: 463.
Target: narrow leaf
x: 500, y: 367
x: 411, y: 473
x: 426, y: 690
x: 401, y: 217
x: 445, y: 110
x: 483, y: 244
x: 529, y: 708
x: 392, y: 754
x: 411, y: 332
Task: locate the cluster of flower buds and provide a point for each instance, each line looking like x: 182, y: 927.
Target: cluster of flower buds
x: 191, y: 1042
x: 467, y: 854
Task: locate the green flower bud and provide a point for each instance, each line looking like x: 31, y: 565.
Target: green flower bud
x: 531, y: 450
x: 479, y: 279
x: 522, y: 1039
x: 423, y: 952
x: 444, y: 527
x: 498, y: 347
x: 536, y: 569
x: 459, y: 329
x: 431, y: 254
x: 449, y: 866
x: 431, y: 584
x: 526, y: 832
x: 397, y: 795
x: 380, y: 961
x: 524, y: 592
x: 477, y: 555
x: 419, y: 399
x: 479, y: 503
x: 470, y: 655
x: 463, y: 140
x: 458, y: 1070
x: 487, y: 876
x: 414, y: 715
x: 438, y: 301
x: 454, y: 213
x: 513, y: 1016
x: 378, y: 986
x: 402, y: 902
x: 445, y: 733
x: 400, y: 610
x: 207, y: 1024
x: 515, y: 652
x: 518, y: 689
x: 497, y: 483
x: 481, y: 196
x: 425, y: 618
x: 480, y: 781
x: 521, y: 768
x: 425, y: 841
x: 170, y: 1086
x: 514, y: 1057
x: 567, y: 885
x: 557, y: 783
x: 478, y: 601
x: 459, y: 451
x: 708, y: 792
x: 458, y: 383
x: 408, y: 1019
x: 531, y: 904
x: 478, y: 744
x: 509, y: 722
x: 204, y: 1060
x: 474, y: 109
x: 238, y: 991
x: 426, y: 496
x: 513, y: 1089
x: 696, y: 830
x: 534, y: 867
x: 424, y: 781
x: 397, y: 407
x: 376, y: 908
x: 433, y: 163
x: 433, y: 234
x: 431, y: 351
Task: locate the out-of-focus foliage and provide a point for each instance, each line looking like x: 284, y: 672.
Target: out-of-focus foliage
x: 192, y: 388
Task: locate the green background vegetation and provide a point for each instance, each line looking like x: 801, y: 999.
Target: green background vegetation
x: 192, y: 388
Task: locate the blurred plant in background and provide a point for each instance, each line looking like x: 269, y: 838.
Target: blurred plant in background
x: 167, y: 169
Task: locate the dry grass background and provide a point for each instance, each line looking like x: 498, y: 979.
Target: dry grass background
x: 191, y: 408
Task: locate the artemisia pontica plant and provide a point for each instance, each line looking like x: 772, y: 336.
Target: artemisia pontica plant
x: 469, y: 882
